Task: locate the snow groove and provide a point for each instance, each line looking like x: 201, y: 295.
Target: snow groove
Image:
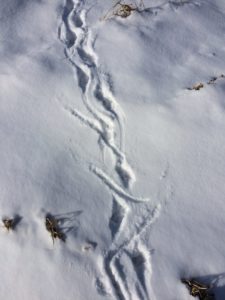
x: 117, y: 220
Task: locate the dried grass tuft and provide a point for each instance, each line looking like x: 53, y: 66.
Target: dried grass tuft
x: 51, y: 224
x: 196, y: 87
x: 8, y: 223
x: 197, y: 289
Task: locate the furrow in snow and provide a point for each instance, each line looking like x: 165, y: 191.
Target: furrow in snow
x: 115, y: 187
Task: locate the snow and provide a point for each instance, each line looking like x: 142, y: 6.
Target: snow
x: 99, y: 127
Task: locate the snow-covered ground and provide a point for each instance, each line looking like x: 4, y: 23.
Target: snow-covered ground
x: 100, y: 127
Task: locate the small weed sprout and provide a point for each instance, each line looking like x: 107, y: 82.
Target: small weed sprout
x: 52, y: 227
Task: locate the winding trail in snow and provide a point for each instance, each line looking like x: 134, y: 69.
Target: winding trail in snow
x: 106, y: 119
x: 78, y: 48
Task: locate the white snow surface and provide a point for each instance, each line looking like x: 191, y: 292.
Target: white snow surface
x: 99, y: 127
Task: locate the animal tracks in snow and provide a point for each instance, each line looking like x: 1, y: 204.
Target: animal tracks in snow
x: 137, y: 257
x: 78, y: 48
x: 105, y: 117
